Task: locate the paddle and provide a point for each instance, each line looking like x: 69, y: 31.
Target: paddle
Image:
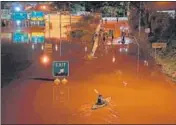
x: 96, y: 91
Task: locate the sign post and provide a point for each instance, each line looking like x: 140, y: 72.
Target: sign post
x: 60, y: 69
x: 158, y: 46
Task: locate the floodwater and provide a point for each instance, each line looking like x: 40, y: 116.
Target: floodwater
x: 148, y: 97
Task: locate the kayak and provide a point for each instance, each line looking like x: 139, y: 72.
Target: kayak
x: 107, y: 100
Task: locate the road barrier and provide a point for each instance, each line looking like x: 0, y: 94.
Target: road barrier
x: 115, y: 18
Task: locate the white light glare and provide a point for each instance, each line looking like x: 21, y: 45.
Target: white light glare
x: 56, y: 48
x: 17, y: 8
x: 42, y: 47
x: 18, y: 22
x: 32, y: 46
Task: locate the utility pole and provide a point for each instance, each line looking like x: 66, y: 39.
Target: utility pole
x: 49, y: 24
x: 128, y: 10
x: 60, y: 34
x: 139, y: 19
x: 70, y: 21
x: 124, y: 6
x: 137, y: 69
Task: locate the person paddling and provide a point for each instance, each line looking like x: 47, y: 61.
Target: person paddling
x: 100, y: 100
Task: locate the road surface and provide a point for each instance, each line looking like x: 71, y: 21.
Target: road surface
x: 148, y: 97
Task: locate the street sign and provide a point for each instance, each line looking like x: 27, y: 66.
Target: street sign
x: 37, y: 37
x: 19, y: 16
x: 6, y: 36
x: 60, y: 68
x: 5, y: 14
x: 37, y: 15
x: 159, y: 45
x: 5, y: 17
x: 20, y: 37
x: 147, y: 30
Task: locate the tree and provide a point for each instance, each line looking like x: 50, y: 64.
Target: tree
x: 84, y: 29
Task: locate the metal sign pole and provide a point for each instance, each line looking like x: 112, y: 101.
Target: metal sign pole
x: 138, y: 62
x: 70, y: 21
x: 139, y: 20
x: 155, y: 53
x: 49, y: 24
x: 60, y: 35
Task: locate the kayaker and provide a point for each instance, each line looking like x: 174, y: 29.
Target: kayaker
x: 100, y: 100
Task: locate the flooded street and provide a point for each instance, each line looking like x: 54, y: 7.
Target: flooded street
x: 147, y: 97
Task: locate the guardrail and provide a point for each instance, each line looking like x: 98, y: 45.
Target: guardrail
x: 115, y: 18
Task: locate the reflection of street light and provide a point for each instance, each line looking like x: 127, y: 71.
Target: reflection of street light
x: 56, y: 48
x: 42, y: 47
x: 113, y: 59
x: 18, y: 22
x: 33, y: 46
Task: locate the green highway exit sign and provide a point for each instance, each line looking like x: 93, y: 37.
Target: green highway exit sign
x: 60, y: 69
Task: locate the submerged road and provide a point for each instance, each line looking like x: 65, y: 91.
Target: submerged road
x: 148, y: 97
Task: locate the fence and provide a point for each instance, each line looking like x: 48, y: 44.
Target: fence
x: 115, y: 18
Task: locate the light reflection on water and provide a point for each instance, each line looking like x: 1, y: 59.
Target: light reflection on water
x: 106, y: 115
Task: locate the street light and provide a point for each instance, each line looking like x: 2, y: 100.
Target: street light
x: 17, y: 8
x: 44, y: 7
x: 137, y: 54
x: 45, y: 59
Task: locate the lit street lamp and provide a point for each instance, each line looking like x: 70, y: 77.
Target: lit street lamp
x: 43, y: 7
x: 17, y: 9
